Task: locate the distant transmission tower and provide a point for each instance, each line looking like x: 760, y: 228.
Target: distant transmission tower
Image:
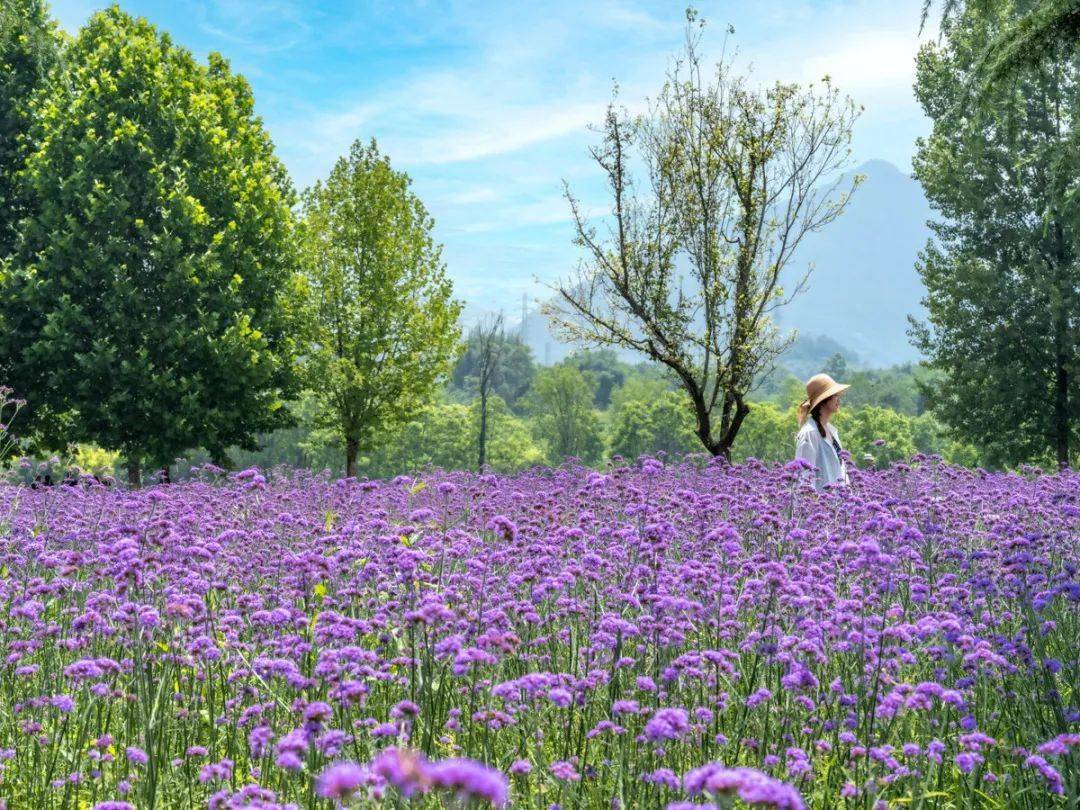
x: 524, y: 313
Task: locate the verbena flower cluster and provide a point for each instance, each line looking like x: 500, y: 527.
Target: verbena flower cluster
x: 651, y: 636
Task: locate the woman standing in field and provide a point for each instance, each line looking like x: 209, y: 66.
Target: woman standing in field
x: 817, y: 441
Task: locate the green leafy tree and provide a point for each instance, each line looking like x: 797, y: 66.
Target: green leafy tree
x: 836, y: 366
x: 1040, y: 31
x: 933, y: 438
x: 928, y: 434
x: 631, y: 430
x: 30, y: 47
x: 383, y: 321
x: 1003, y: 276
x: 147, y: 299
x: 790, y: 391
x: 673, y: 425
x: 303, y: 445
x: 513, y: 375
x: 693, y: 259
x: 512, y: 447
x: 638, y: 387
x: 768, y: 433
x: 961, y: 453
x: 648, y: 418
x: 604, y: 366
x: 896, y: 387
x: 561, y: 406
x: 884, y: 434
x: 442, y: 436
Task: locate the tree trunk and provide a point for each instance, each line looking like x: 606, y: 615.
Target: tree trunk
x: 1061, y: 407
x: 134, y: 472
x: 1062, y: 427
x: 704, y: 423
x: 727, y: 440
x: 352, y: 449
x: 483, y: 432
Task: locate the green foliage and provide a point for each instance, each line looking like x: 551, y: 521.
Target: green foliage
x: 563, y: 420
x: 637, y: 388
x: 896, y: 388
x: 512, y: 376
x: 30, y: 47
x: 94, y: 460
x: 650, y: 420
x: 1042, y: 31
x: 965, y: 455
x: 1048, y: 28
x: 303, y: 445
x: 9, y: 411
x: 768, y: 434
x: 646, y: 418
x: 836, y: 366
x: 785, y: 391
x: 146, y: 302
x: 443, y: 436
x: 510, y: 444
x: 880, y: 433
x: 606, y: 370
x: 927, y: 433
x: 1003, y: 277
x: 383, y: 323
x: 930, y: 436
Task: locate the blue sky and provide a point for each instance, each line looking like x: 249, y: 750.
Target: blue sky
x: 486, y: 104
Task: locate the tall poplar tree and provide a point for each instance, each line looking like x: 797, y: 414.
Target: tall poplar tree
x: 146, y: 300
x: 383, y: 322
x: 1041, y: 30
x: 29, y: 49
x: 1002, y: 279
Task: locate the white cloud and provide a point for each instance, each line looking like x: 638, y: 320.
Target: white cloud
x: 615, y: 14
x: 470, y: 196
x: 867, y: 60
x: 445, y: 117
x: 526, y: 78
x: 486, y: 132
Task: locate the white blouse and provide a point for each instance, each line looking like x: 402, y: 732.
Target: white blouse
x: 819, y: 451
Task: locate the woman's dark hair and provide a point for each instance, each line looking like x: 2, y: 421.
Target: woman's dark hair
x: 816, y: 412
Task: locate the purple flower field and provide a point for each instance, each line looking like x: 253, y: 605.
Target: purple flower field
x: 655, y: 636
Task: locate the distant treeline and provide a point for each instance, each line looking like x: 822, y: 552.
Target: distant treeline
x: 594, y: 407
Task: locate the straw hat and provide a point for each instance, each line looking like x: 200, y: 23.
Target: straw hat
x: 818, y: 389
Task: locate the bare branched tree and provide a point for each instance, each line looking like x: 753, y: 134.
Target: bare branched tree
x: 489, y: 340
x: 689, y: 267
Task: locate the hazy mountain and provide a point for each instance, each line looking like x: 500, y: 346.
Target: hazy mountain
x: 864, y: 283
x: 861, y: 290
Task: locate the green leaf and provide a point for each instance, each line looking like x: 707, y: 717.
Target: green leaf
x: 148, y: 343
x: 380, y: 332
